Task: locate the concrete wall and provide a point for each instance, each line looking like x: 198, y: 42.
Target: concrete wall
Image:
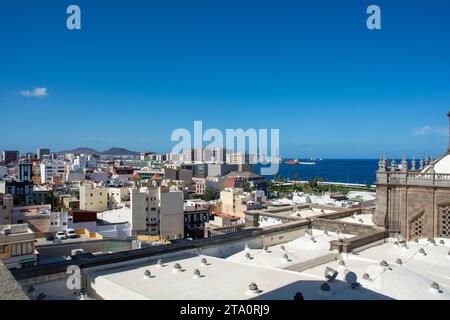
x: 94, y: 246
x: 172, y: 215
x: 93, y: 199
x: 346, y: 227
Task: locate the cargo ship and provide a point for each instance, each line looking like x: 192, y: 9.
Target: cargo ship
x: 297, y: 162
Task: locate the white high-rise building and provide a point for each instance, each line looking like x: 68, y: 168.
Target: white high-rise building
x: 52, y: 168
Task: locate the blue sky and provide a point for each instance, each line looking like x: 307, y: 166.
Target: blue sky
x: 138, y: 70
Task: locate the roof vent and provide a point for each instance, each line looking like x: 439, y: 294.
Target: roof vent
x: 325, y: 233
x: 416, y: 240
x: 160, y: 263
x: 299, y: 297
x: 366, y: 277
x: 423, y: 252
x: 253, y: 289
x: 204, y: 262
x: 313, y: 240
x: 177, y: 268
x: 432, y: 241
x: 282, y: 248
x: 351, y: 278
x: 330, y: 274
x: 248, y: 256
x: 384, y: 264
x: 435, y: 287
x: 342, y: 263
x: 396, y: 243
x: 285, y: 258
x: 325, y: 287
x: 197, y: 274
x: 399, y: 262
x: 361, y: 221
x: 147, y: 274
x: 442, y: 243
x: 266, y: 249
x: 405, y: 245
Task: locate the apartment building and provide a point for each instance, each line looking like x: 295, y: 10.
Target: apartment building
x: 42, y: 152
x: 20, y: 190
x: 10, y: 156
x: 235, y: 201
x: 3, y: 171
x: 25, y: 171
x: 202, y: 184
x: 17, y: 245
x: 154, y: 211
x: 6, y: 205
x: 94, y: 198
x: 84, y: 161
x: 52, y: 169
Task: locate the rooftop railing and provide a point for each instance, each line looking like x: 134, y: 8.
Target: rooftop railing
x: 417, y: 178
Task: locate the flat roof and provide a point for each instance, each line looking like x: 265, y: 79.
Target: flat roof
x: 220, y: 280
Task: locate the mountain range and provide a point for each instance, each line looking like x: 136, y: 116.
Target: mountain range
x: 111, y: 151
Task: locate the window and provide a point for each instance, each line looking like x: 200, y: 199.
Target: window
x: 445, y: 222
x: 3, y: 249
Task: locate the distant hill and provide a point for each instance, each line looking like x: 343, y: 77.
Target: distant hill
x: 114, y: 151
x: 81, y: 150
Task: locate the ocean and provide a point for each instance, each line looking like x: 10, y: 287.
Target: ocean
x: 332, y: 170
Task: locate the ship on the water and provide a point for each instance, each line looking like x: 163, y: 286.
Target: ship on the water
x: 298, y: 162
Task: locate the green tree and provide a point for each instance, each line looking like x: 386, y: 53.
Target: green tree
x: 211, y: 194
x: 54, y: 201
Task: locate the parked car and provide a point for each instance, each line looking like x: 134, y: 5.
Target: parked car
x: 60, y: 235
x: 50, y: 237
x: 71, y: 234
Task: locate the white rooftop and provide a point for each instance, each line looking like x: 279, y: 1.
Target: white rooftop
x: 410, y: 281
x: 441, y: 166
x: 364, y: 219
x: 220, y: 279
x: 298, y: 251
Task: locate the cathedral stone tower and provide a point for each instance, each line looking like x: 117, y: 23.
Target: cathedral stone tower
x: 415, y: 203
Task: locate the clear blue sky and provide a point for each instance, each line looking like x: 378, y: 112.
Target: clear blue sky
x: 139, y: 69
